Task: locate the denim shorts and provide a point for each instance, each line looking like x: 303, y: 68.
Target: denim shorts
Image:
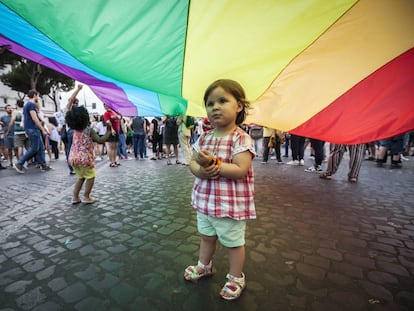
x: 230, y: 232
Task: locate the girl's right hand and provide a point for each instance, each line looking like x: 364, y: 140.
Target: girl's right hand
x: 204, y: 157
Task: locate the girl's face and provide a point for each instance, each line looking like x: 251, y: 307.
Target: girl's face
x: 222, y: 108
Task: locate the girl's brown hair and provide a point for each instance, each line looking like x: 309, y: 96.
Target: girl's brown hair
x: 235, y: 89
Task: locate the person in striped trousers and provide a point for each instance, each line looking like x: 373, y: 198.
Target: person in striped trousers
x: 356, y: 156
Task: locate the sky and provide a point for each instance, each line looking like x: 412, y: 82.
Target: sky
x: 85, y: 96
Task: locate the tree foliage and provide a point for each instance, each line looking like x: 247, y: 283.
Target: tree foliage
x: 25, y: 75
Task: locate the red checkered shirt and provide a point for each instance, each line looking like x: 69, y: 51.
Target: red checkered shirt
x: 223, y: 197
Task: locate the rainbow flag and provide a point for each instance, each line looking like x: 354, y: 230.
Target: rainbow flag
x: 340, y: 70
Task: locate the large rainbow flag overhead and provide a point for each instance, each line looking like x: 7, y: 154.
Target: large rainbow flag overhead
x: 337, y: 70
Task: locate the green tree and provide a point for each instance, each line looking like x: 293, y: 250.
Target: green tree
x: 25, y: 75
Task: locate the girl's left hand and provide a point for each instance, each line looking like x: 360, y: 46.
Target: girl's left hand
x: 210, y: 172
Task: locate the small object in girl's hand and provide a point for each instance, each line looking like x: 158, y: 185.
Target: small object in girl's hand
x: 196, y: 148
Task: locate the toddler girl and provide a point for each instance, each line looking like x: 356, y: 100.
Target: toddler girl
x: 81, y: 155
x: 223, y: 191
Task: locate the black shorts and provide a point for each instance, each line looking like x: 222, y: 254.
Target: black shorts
x: 113, y: 138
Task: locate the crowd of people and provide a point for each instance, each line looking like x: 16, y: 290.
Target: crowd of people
x: 397, y: 148
x: 27, y: 137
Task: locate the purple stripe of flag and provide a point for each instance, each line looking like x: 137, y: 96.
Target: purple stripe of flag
x: 107, y: 92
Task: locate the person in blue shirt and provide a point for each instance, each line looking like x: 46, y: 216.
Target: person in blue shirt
x: 34, y: 130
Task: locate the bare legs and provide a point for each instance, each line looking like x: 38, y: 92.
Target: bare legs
x: 111, y: 148
x: 77, y: 189
x: 88, y: 188
x: 236, y: 255
x: 168, y: 151
x: 207, y: 248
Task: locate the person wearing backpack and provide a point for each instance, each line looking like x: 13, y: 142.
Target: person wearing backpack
x: 185, y: 125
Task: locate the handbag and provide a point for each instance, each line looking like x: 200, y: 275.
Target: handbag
x: 272, y: 142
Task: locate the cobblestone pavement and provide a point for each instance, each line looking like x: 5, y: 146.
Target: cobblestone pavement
x: 316, y: 245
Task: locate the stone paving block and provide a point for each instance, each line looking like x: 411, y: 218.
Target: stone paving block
x: 12, y: 252
x: 311, y: 271
x: 89, y: 273
x: 46, y: 273
x: 405, y: 297
x: 349, y: 300
x: 49, y: 306
x: 317, y: 261
x: 364, y: 262
x: 31, y: 299
x: 57, y: 284
x: 109, y: 265
x: 123, y: 293
x: 23, y: 258
x: 348, y: 269
x: 317, y: 292
x: 330, y: 254
x: 103, y: 283
x: 73, y: 293
x: 393, y: 268
x: 91, y: 303
x: 377, y: 291
x: 18, y: 288
x: 339, y: 279
x: 382, y: 278
x: 409, y: 253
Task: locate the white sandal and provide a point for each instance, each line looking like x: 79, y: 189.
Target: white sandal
x: 194, y: 273
x: 233, y: 287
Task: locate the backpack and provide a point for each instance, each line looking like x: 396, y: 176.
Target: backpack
x: 256, y: 132
x: 189, y: 122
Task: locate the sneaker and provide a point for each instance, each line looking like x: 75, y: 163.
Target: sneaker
x: 404, y: 158
x: 302, y: 162
x: 263, y: 162
x: 314, y: 169
x: 45, y: 168
x: 19, y: 168
x: 98, y: 159
x: 279, y: 162
x: 293, y: 162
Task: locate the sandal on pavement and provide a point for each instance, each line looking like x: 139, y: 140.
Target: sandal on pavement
x: 177, y: 162
x: 169, y: 162
x: 89, y: 200
x: 76, y: 201
x: 326, y: 176
x: 233, y: 287
x: 194, y: 273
